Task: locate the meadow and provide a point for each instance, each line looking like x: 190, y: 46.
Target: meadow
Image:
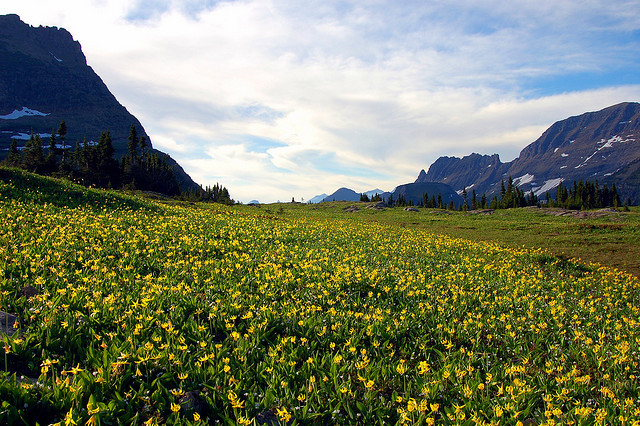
x: 150, y: 312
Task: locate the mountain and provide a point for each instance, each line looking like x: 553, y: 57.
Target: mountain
x: 44, y: 79
x: 317, y: 199
x: 602, y: 145
x: 375, y: 192
x: 467, y: 172
x: 343, y: 194
x: 414, y: 192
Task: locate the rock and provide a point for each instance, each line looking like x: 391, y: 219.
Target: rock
x: 268, y: 418
x: 29, y: 292
x: 410, y: 209
x: 192, y: 402
x: 8, y: 324
x: 378, y: 206
x: 483, y: 211
x: 351, y: 209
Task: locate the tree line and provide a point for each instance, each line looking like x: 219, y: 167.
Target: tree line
x: 586, y: 195
x: 581, y: 195
x: 93, y: 164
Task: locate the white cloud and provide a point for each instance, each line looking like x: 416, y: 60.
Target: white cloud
x: 359, y: 94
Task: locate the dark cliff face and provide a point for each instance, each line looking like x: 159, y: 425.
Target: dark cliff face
x: 472, y: 171
x: 43, y: 69
x: 592, y: 146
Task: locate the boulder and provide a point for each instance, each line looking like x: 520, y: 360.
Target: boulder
x: 8, y: 324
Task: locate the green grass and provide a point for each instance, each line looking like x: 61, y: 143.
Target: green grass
x: 612, y: 240
x: 181, y: 313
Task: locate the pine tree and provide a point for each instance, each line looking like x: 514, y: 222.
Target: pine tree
x: 62, y: 132
x: 132, y: 146
x: 51, y: 160
x: 14, y: 159
x: 34, y: 156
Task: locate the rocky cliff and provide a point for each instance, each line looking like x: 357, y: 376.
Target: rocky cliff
x: 44, y: 79
x: 602, y: 145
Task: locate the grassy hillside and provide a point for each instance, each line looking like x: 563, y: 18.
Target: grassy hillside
x: 198, y: 314
x: 609, y: 238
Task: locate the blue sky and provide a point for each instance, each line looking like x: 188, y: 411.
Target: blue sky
x: 281, y: 98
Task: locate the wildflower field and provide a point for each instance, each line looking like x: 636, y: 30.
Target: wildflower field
x: 207, y: 314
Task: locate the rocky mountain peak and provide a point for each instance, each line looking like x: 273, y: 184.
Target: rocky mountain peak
x: 44, y: 79
x: 601, y: 145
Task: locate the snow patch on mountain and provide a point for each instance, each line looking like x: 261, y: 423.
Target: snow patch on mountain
x: 27, y: 136
x: 24, y: 111
x: 605, y: 143
x: 547, y: 186
x: 524, y: 179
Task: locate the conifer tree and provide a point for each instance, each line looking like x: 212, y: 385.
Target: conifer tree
x: 62, y: 132
x: 14, y: 159
x: 34, y: 156
x: 132, y: 146
x: 51, y: 160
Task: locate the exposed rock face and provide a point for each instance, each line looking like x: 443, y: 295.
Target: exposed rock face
x: 602, y: 145
x: 7, y: 324
x: 44, y: 79
x: 473, y: 170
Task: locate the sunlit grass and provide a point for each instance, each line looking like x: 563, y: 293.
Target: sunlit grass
x: 209, y: 314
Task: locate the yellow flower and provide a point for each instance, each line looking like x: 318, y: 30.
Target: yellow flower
x: 175, y: 407
x: 283, y: 414
x: 68, y: 418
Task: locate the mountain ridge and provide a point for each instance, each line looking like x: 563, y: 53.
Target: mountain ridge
x: 43, y: 69
x: 591, y: 146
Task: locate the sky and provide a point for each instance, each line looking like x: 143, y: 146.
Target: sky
x: 282, y: 99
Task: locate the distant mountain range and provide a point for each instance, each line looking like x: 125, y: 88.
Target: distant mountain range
x: 602, y: 146
x: 44, y: 79
x: 346, y: 194
x: 411, y: 192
